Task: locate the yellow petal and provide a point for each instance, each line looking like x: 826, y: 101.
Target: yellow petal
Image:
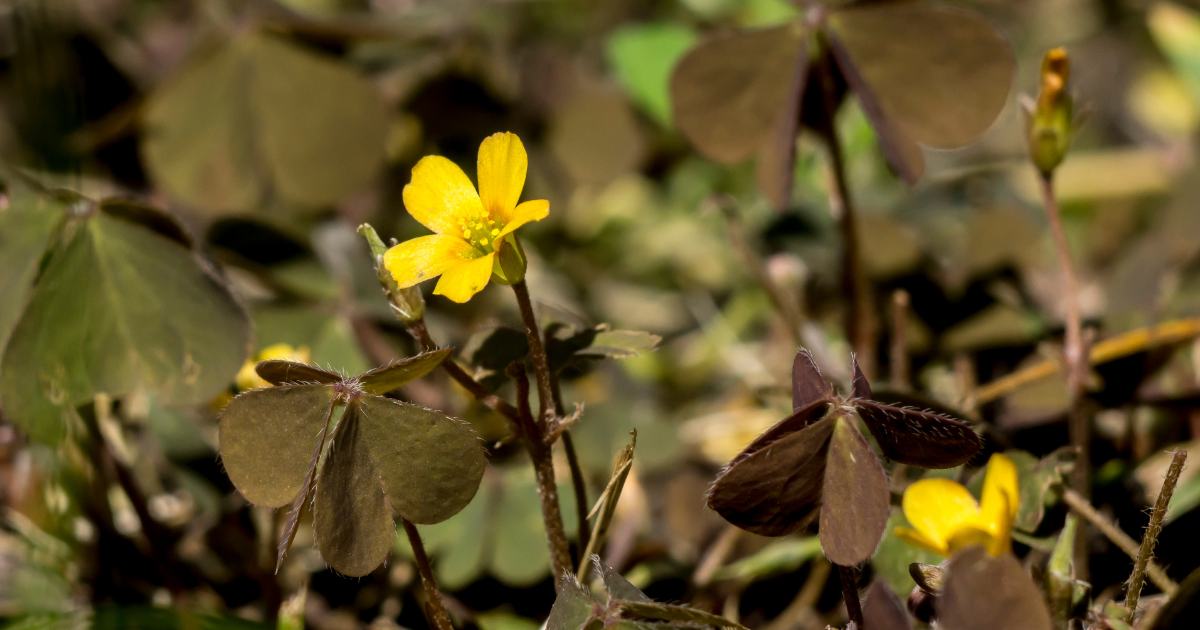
x: 938, y: 507
x: 426, y: 257
x: 967, y: 535
x: 464, y: 280
x: 1001, y: 492
x: 529, y: 211
x: 502, y: 166
x: 917, y: 539
x: 440, y: 196
x: 1002, y: 535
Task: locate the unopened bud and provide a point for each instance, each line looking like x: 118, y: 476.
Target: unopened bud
x: 510, y: 264
x: 408, y: 303
x: 1050, y: 122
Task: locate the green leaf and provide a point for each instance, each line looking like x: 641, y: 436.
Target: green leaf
x: 572, y: 608
x: 118, y: 309
x: 504, y: 621
x: 267, y: 439
x: 780, y: 556
x: 262, y: 117
x: 27, y: 222
x: 430, y: 464
x: 1176, y: 30
x: 521, y: 556
x: 384, y: 379
x: 642, y: 57
x: 893, y: 556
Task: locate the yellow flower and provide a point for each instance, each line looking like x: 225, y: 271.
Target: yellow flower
x: 469, y: 227
x: 945, y: 517
x: 248, y: 379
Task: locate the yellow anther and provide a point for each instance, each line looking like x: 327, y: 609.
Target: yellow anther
x: 495, y: 231
x: 483, y: 242
x: 467, y: 234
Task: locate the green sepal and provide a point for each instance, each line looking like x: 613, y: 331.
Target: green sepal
x: 510, y: 261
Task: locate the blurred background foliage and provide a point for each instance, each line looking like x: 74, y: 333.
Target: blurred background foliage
x: 268, y: 130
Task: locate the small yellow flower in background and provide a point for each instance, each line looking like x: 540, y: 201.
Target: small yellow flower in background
x: 248, y: 379
x: 470, y: 228
x: 945, y: 517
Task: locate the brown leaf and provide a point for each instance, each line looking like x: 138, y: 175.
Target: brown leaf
x: 430, y: 464
x: 942, y: 73
x: 278, y: 372
x: 860, y: 388
x: 382, y: 380
x: 727, y: 92
x: 775, y: 490
x: 351, y: 519
x: 808, y: 385
x: 918, y: 438
x: 856, y: 497
x: 297, y: 507
x: 266, y: 437
x: 777, y: 159
x: 883, y: 610
x: 990, y: 593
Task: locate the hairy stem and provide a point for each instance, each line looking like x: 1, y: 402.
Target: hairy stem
x: 1150, y: 537
x: 543, y: 468
x: 434, y: 609
x: 581, y: 501
x: 850, y: 594
x: 1082, y: 507
x: 1076, y: 363
x: 537, y: 352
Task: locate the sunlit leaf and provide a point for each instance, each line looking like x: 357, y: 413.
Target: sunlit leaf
x: 351, y: 519
x: 119, y: 308
x: 382, y: 380
x: 919, y: 438
x: 279, y: 372
x: 430, y: 464
x: 780, y: 556
x: 267, y: 439
x: 572, y: 608
x: 261, y: 116
x: 27, y: 222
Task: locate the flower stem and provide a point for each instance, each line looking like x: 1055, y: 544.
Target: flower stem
x: 434, y: 609
x: 850, y: 594
x: 543, y: 468
x: 581, y: 501
x: 420, y: 332
x: 1076, y: 363
x: 1084, y: 508
x: 1150, y: 537
x: 859, y: 333
x: 537, y: 352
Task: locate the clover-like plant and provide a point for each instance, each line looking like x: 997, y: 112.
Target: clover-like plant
x: 923, y: 73
x: 817, y: 462
x: 425, y: 464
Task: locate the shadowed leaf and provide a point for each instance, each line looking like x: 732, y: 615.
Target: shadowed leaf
x: 1182, y: 606
x: 918, y: 438
x: 297, y: 507
x: 119, y: 308
x: 616, y: 584
x: 808, y: 385
x: 572, y: 608
x: 620, y: 344
x: 267, y: 436
x: 382, y: 380
x: 774, y: 490
x: 983, y: 592
x: 860, y: 388
x: 883, y: 610
x: 430, y: 464
x: 351, y: 519
x: 856, y: 497
x: 150, y: 218
x: 606, y: 505
x: 777, y: 159
x: 727, y: 92
x: 277, y: 372
x: 680, y: 614
x: 941, y: 73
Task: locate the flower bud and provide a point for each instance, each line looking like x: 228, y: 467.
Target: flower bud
x: 510, y: 264
x: 1049, y: 124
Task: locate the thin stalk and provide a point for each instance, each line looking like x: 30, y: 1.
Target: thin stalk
x: 420, y: 333
x: 859, y: 332
x: 581, y: 502
x: 543, y: 468
x: 1119, y: 538
x: 803, y: 607
x: 434, y: 609
x: 898, y: 354
x: 537, y: 352
x: 850, y: 594
x: 754, y: 264
x: 1076, y: 361
x: 1150, y: 537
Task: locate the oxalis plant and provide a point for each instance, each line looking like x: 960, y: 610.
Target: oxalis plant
x: 816, y: 463
x: 923, y: 73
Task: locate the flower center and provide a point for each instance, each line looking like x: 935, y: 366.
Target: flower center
x: 480, y: 231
